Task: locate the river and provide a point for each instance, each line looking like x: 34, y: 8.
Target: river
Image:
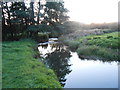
x: 74, y: 72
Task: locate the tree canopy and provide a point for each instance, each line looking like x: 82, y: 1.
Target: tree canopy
x: 26, y: 19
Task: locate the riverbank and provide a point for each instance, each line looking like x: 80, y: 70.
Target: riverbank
x: 21, y: 68
x: 104, y: 46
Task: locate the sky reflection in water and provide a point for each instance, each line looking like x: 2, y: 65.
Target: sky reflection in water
x: 92, y: 74
x: 73, y: 72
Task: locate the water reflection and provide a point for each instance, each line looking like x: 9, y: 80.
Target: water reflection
x: 86, y: 73
x: 44, y: 46
x: 57, y: 58
x: 91, y: 74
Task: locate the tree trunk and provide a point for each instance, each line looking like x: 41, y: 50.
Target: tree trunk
x: 32, y: 12
x: 9, y: 21
x: 38, y: 17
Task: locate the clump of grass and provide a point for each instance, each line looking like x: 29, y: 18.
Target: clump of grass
x: 106, y: 40
x: 21, y: 70
x: 87, y: 50
x: 89, y: 38
x: 73, y: 45
x: 109, y: 37
x: 98, y: 52
x: 96, y: 37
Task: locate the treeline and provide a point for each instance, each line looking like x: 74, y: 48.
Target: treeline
x: 28, y: 19
x: 103, y: 26
x: 74, y: 24
x: 71, y: 26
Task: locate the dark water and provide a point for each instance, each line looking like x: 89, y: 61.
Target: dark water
x: 74, y: 72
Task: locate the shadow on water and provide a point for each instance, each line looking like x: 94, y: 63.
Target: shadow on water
x: 95, y: 58
x: 58, y: 60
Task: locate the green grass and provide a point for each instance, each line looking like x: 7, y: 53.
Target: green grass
x: 110, y: 40
x: 0, y: 65
x: 97, y: 52
x: 21, y: 70
x: 73, y: 45
x: 103, y: 46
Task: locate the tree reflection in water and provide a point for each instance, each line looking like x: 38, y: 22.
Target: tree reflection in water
x: 58, y: 61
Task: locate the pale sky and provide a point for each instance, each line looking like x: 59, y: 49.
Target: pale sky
x: 92, y: 11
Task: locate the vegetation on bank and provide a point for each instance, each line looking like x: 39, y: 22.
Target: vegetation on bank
x: 103, y: 46
x: 25, y: 20
x: 22, y: 70
x: 0, y: 65
x: 21, y: 20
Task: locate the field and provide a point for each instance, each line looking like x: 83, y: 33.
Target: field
x: 22, y: 70
x: 104, y: 46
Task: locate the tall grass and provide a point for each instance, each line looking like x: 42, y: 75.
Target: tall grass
x: 104, y: 46
x: 73, y: 45
x: 98, y: 52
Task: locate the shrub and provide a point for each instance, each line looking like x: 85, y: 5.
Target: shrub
x: 42, y: 37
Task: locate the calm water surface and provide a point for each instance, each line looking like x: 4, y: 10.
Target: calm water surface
x: 91, y: 74
x: 74, y: 72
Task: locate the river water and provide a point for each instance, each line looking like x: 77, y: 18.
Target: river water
x: 74, y: 72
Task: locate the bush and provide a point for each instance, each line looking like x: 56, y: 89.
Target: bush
x: 42, y: 37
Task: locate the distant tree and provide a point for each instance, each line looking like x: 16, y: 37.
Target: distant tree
x: 55, y: 14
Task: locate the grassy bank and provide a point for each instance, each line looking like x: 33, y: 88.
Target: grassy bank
x: 0, y: 65
x: 21, y: 70
x: 103, y: 46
